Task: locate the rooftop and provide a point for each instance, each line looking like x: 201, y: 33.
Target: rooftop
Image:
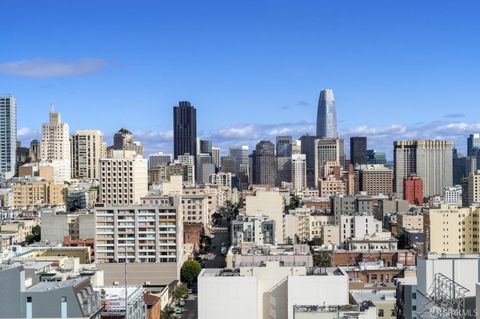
x: 52, y: 285
x: 361, y: 295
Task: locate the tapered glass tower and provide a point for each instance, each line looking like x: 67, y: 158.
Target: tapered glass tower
x: 327, y: 115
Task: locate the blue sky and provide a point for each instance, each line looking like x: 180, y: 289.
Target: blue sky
x: 253, y: 69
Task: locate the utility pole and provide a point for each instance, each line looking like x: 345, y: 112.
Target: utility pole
x: 126, y: 287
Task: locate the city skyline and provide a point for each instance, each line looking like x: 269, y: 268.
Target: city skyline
x: 249, y: 69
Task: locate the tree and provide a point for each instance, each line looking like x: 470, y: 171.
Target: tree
x: 35, y: 236
x: 190, y: 271
x: 167, y: 313
x: 181, y: 291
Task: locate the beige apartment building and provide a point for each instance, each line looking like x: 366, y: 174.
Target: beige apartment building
x: 471, y: 189
x: 270, y: 204
x: 409, y: 221
x: 33, y: 192
x: 123, y: 178
x: 306, y: 225
x: 450, y: 229
x: 88, y: 148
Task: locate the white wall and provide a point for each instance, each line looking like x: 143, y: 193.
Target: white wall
x: 227, y: 297
x: 317, y: 290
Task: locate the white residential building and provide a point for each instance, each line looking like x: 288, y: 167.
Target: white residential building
x: 123, y: 179
x: 8, y: 136
x: 299, y: 172
x: 268, y: 291
x: 270, y: 204
x: 358, y: 227
x: 453, y: 195
x: 55, y: 143
x: 222, y: 179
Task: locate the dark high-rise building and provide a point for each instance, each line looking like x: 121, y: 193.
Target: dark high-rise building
x: 327, y: 115
x: 376, y: 157
x: 206, y: 146
x: 284, y: 146
x: 184, y: 129
x: 358, y: 150
x: 459, y: 167
x: 264, y: 164
x: 284, y: 159
x: 473, y: 144
x: 308, y: 148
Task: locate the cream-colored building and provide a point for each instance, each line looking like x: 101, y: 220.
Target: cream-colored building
x: 471, y: 194
x: 270, y: 203
x: 55, y: 143
x: 88, y: 148
x: 409, y: 221
x: 123, y: 178
x: 306, y: 225
x: 451, y: 230
x: 20, y: 228
x: 36, y: 192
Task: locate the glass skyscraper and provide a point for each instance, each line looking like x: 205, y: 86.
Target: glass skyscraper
x: 327, y: 115
x: 8, y: 136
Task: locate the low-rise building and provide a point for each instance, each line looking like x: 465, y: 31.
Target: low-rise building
x: 30, y: 192
x: 113, y: 301
x: 253, y: 229
x: 269, y: 290
x: 377, y: 242
x: 74, y: 298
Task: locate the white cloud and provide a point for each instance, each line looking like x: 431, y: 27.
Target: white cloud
x: 42, y: 68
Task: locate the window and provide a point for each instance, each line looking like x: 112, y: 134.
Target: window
x: 380, y: 313
x: 414, y: 295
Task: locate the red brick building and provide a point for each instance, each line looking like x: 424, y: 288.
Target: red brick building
x: 192, y: 234
x: 413, y: 190
x: 389, y: 258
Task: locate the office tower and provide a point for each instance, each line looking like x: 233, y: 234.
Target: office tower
x: 55, y: 144
x: 240, y: 154
x: 88, y: 148
x: 376, y: 157
x: 376, y: 179
x: 299, y: 172
x: 265, y: 172
x: 8, y: 136
x: 206, y: 146
x: 413, y: 190
x: 158, y: 159
x: 216, y: 159
x: 184, y: 129
x: 459, y: 167
x: 188, y: 163
x: 124, y: 178
x: 155, y: 232
x: 34, y: 151
x: 204, y: 159
x: 431, y: 160
x: 327, y: 149
x: 297, y: 147
x: 284, y: 146
x: 228, y: 164
x: 473, y: 144
x: 307, y: 147
x: 124, y: 140
x: 358, y: 150
x: 327, y: 115
x: 284, y: 159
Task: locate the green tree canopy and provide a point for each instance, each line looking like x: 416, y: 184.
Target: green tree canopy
x: 190, y: 271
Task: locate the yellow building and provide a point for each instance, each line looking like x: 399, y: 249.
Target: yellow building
x: 409, y: 221
x: 33, y: 192
x: 450, y: 229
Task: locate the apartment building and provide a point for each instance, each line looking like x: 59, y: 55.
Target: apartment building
x: 450, y: 229
x: 376, y: 179
x: 357, y: 226
x: 87, y: 148
x: 306, y: 224
x: 140, y: 233
x: 123, y: 178
x: 38, y: 192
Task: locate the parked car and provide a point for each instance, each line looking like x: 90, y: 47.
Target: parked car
x: 178, y: 310
x: 182, y: 303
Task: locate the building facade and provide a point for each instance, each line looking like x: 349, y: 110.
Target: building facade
x: 88, y: 148
x: 327, y: 115
x: 431, y: 160
x: 358, y: 150
x: 55, y: 143
x: 8, y: 136
x: 184, y: 129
